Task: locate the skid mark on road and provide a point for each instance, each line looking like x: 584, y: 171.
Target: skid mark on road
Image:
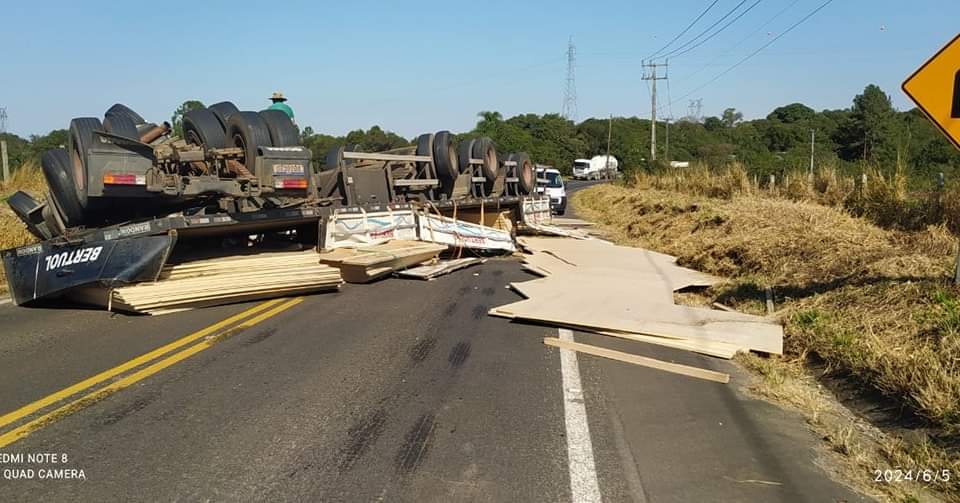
x: 459, y: 354
x: 260, y: 337
x: 421, y: 350
x: 479, y: 311
x: 416, y: 445
x: 360, y: 437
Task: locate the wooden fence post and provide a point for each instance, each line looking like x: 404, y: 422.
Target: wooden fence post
x: 3, y: 159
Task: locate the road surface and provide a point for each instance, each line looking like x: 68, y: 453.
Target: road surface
x: 396, y: 391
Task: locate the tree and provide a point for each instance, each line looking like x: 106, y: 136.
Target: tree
x: 177, y: 118
x: 731, y: 117
x: 712, y: 124
x: 868, y: 131
x: 794, y: 112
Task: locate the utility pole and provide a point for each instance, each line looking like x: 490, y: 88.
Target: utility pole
x: 667, y: 153
x: 813, y: 135
x: 652, y: 76
x: 3, y: 144
x: 609, y: 133
x: 569, y: 111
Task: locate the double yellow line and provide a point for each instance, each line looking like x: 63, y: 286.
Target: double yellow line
x: 210, y: 335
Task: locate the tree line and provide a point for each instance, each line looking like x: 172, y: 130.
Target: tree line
x: 870, y: 133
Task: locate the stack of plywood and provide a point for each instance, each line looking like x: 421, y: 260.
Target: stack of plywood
x: 627, y: 293
x: 220, y: 280
x: 362, y: 265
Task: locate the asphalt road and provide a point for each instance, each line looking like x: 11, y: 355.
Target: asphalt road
x: 395, y: 391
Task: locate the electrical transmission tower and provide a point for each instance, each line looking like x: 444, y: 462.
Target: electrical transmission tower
x: 570, y: 91
x: 653, y: 77
x: 694, y: 109
x: 3, y: 120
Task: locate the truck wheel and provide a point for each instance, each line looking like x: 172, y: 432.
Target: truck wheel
x: 334, y: 158
x: 78, y: 144
x: 247, y: 130
x: 55, y: 164
x: 484, y: 150
x: 464, y: 151
x: 201, y: 127
x: 282, y: 131
x: 445, y: 156
x: 424, y: 148
x: 525, y: 172
x: 223, y: 111
x: 120, y: 125
x: 125, y: 111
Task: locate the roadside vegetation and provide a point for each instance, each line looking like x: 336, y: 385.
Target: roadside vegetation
x: 862, y: 282
x: 13, y: 233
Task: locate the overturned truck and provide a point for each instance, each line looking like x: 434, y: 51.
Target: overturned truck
x: 124, y: 192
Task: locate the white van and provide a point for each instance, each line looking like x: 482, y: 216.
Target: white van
x: 550, y: 182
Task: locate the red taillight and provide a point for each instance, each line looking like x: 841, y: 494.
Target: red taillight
x: 290, y: 183
x: 124, y: 179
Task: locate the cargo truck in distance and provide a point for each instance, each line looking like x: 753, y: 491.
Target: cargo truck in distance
x: 600, y: 167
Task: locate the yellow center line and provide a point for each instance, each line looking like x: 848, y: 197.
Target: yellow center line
x: 83, y: 385
x: 95, y: 396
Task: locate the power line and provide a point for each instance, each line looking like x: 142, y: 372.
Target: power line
x: 685, y: 30
x: 742, y: 40
x: 762, y: 47
x: 702, y: 33
x: 569, y: 111
x: 714, y: 34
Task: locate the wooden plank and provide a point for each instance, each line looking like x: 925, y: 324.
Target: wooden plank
x: 644, y: 361
x: 444, y: 267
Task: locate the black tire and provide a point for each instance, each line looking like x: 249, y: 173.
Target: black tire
x: 333, y: 159
x: 424, y: 147
x: 201, y: 127
x: 282, y: 131
x: 445, y: 156
x: 223, y: 111
x: 525, y: 172
x: 56, y: 164
x: 125, y: 111
x: 120, y: 125
x: 484, y: 149
x: 464, y: 151
x: 248, y: 131
x: 79, y: 142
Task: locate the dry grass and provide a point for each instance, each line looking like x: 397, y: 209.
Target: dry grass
x: 27, y: 178
x: 12, y: 232
x: 875, y: 304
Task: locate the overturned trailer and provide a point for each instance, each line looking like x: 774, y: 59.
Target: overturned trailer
x: 124, y: 192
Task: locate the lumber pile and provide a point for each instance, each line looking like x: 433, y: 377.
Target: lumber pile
x: 363, y: 265
x: 221, y: 280
x: 624, y: 292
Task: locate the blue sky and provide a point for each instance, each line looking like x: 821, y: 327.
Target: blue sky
x: 417, y: 66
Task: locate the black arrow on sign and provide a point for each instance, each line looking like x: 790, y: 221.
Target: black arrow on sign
x: 956, y: 97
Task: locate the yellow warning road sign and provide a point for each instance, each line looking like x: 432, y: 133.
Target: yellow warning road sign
x: 935, y: 88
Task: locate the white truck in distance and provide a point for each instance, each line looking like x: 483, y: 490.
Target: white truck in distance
x: 597, y: 168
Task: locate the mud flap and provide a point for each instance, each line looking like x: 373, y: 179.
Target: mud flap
x: 45, y: 270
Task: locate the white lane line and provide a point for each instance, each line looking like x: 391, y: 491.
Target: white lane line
x: 584, y: 486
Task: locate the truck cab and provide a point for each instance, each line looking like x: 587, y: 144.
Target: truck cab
x: 550, y: 183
